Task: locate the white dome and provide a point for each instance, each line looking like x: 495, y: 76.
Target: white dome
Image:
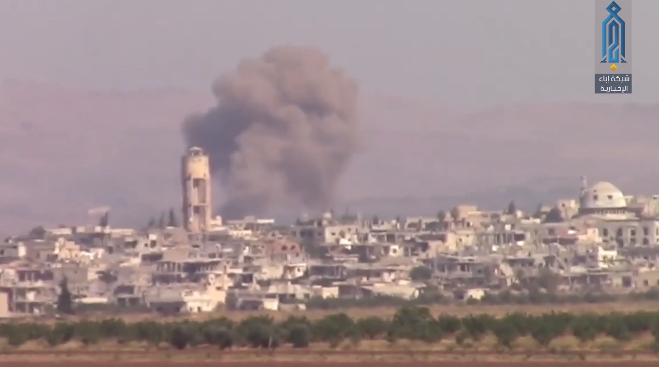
x: 603, y: 195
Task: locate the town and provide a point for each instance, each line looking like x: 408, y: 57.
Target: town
x: 601, y: 243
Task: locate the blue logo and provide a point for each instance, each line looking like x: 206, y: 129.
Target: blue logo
x: 613, y: 36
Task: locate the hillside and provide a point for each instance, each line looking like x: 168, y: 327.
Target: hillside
x: 63, y: 151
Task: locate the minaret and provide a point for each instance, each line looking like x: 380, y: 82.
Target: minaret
x: 196, y: 180
x: 584, y: 184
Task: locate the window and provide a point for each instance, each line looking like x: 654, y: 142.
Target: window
x: 595, y: 197
x: 632, y: 232
x: 646, y: 231
x: 605, y: 232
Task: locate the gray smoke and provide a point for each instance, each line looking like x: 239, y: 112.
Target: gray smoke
x: 282, y: 133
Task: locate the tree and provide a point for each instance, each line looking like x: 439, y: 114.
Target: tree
x: 585, y: 328
x: 372, y: 326
x: 441, y: 215
x: 554, y: 216
x: 179, y: 338
x: 38, y: 232
x: 152, y: 223
x: 61, y: 333
x: 173, y: 222
x: 505, y: 333
x: 654, y: 329
x: 16, y: 335
x: 544, y: 331
x: 548, y: 280
x: 105, y: 220
x: 450, y: 324
x: 538, y: 211
x: 421, y: 273
x: 161, y: 221
x: 334, y: 328
x: 512, y: 208
x: 224, y: 339
x: 299, y: 336
x: 65, y: 299
x: 415, y: 323
x: 455, y: 213
x: 88, y: 332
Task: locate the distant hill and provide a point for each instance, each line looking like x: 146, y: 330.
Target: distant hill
x: 63, y: 151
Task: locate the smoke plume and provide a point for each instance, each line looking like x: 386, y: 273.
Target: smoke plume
x: 282, y: 133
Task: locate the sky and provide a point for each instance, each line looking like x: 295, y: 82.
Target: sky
x: 475, y: 53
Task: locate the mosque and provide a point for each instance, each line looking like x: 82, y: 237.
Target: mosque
x: 624, y: 220
x: 606, y: 201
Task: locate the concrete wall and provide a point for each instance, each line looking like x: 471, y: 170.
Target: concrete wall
x: 4, y: 305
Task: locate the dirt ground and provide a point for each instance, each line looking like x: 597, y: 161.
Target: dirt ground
x: 326, y: 359
x: 344, y: 364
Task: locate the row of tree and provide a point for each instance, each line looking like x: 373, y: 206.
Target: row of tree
x: 165, y: 220
x: 409, y: 323
x: 534, y: 296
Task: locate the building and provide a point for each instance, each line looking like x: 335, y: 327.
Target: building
x: 196, y: 180
x: 4, y: 305
x: 606, y: 208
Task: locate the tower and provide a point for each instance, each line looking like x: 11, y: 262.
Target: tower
x: 196, y: 180
x: 584, y: 183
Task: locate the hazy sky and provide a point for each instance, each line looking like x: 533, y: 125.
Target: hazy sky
x: 469, y: 52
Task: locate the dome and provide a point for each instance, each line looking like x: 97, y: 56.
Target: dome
x: 603, y: 195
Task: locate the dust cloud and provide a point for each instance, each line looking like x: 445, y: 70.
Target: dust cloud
x: 282, y: 133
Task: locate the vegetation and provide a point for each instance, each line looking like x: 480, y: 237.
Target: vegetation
x: 104, y: 221
x: 172, y: 221
x: 533, y: 296
x: 408, y: 323
x: 162, y: 223
x: 512, y: 208
x: 65, y: 298
x: 420, y: 273
x: 38, y: 232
